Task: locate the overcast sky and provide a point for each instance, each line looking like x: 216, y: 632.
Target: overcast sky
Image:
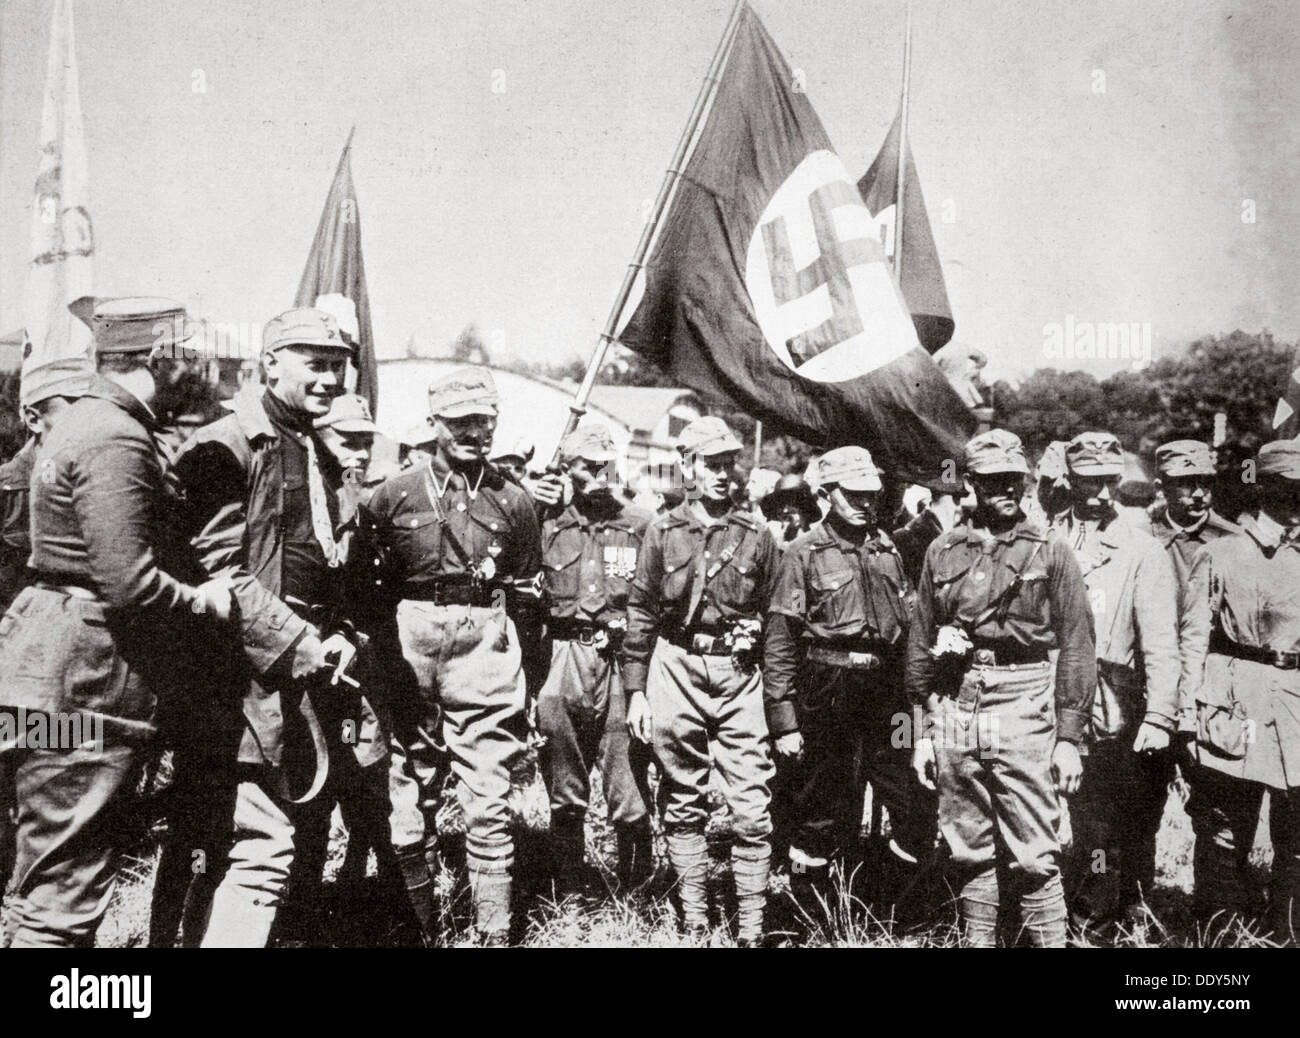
x: 518, y: 210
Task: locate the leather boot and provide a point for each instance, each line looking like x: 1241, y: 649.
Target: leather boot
x: 636, y: 859
x: 568, y: 850
x: 810, y: 887
x: 750, y: 867
x: 419, y: 891
x: 490, y: 891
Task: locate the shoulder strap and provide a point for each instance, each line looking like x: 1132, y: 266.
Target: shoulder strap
x: 1000, y: 606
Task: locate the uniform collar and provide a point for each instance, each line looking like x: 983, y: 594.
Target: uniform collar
x: 683, y: 513
x: 1024, y: 527
x: 1267, y: 532
x: 104, y: 389
x: 572, y: 516
x: 826, y: 535
x: 492, y: 478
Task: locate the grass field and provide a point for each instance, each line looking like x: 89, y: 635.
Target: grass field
x: 646, y: 922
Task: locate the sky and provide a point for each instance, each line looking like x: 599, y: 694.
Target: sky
x: 1082, y: 160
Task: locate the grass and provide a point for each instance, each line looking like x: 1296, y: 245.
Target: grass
x: 614, y: 921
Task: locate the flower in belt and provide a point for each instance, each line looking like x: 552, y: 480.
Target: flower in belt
x: 601, y: 639
x: 743, y: 641
x: 951, y: 642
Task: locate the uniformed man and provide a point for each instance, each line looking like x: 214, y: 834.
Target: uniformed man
x: 943, y: 511
x: 790, y: 508
x: 999, y: 739
x: 253, y: 766
x: 1243, y: 642
x: 1134, y: 599
x: 589, y: 551
x: 463, y: 551
x: 833, y: 683
x: 117, y: 590
x: 1051, y: 496
x: 691, y: 655
x: 513, y: 460
x: 44, y: 392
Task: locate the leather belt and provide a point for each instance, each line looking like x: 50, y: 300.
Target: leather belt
x: 584, y: 632
x: 701, y: 641
x: 463, y: 593
x: 1007, y: 655
x: 1223, y: 645
x: 845, y: 658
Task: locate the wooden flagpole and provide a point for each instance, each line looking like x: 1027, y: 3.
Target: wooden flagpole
x: 900, y: 188
x: 579, y: 406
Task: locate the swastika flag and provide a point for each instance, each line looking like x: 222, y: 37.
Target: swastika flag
x: 768, y: 284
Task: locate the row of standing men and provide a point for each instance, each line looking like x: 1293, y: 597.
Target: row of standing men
x: 300, y: 640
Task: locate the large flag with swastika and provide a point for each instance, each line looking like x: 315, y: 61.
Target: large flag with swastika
x: 920, y: 275
x: 768, y: 285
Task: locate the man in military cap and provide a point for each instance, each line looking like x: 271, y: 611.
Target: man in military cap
x: 1242, y: 638
x: 837, y: 628
x: 1134, y: 601
x: 253, y: 765
x: 513, y: 460
x: 464, y: 562
x: 116, y: 590
x: 691, y: 655
x: 1000, y: 738
x: 941, y: 513
x: 44, y: 392
x: 590, y: 551
x: 1186, y: 522
x: 1051, y: 497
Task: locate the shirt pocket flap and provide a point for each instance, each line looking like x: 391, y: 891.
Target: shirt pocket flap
x: 830, y: 579
x: 562, y: 558
x: 677, y: 555
x: 415, y: 520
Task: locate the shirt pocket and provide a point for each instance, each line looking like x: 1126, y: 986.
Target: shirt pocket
x: 948, y: 577
x: 737, y: 582
x: 837, y: 600
x: 562, y: 564
x: 415, y: 540
x: 1030, y: 602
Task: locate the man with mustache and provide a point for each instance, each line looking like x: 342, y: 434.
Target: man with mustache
x: 464, y: 584
x: 1001, y: 739
x: 1134, y: 599
x: 691, y: 654
x: 590, y: 551
x: 837, y: 627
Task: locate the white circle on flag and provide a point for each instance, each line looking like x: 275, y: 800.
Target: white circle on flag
x: 816, y: 274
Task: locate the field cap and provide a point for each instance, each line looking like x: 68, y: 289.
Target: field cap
x: 996, y: 451
x: 69, y: 377
x: 707, y: 435
x: 135, y: 324
x: 1184, y: 458
x: 522, y: 448
x: 1095, y: 454
x: 849, y: 468
x: 1052, y: 463
x: 463, y: 392
x: 591, y: 442
x: 348, y: 413
x: 1281, y: 459
x: 305, y: 326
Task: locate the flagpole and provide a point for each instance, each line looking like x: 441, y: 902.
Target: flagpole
x: 758, y: 443
x: 579, y: 406
x: 901, y: 178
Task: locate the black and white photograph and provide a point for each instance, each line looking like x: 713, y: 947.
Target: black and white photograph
x: 692, y: 474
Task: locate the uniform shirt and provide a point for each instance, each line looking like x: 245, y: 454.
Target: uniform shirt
x: 679, y: 551
x: 830, y: 590
x: 1183, y: 542
x: 106, y: 506
x: 15, y: 534
x: 489, y: 529
x: 1134, y: 600
x: 306, y: 573
x: 590, y: 561
x: 967, y: 569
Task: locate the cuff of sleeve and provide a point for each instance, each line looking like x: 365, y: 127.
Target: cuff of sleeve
x: 634, y: 678
x: 1072, y: 726
x: 1160, y: 720
x: 781, y: 719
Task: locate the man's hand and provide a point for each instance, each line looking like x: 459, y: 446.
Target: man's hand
x: 1151, y: 738
x: 312, y: 657
x: 1067, y: 768
x: 547, y: 489
x: 216, y: 599
x: 924, y: 764
x: 336, y: 645
x: 638, y: 717
x: 789, y: 745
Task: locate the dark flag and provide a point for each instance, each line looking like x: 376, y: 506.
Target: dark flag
x: 921, y: 277
x: 335, y: 278
x: 1286, y: 416
x: 768, y: 287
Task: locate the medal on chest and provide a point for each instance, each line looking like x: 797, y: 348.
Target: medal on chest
x: 620, y: 562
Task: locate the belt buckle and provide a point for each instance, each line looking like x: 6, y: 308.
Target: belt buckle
x: 985, y: 658
x: 1282, y: 660
x: 586, y: 636
x: 865, y: 660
